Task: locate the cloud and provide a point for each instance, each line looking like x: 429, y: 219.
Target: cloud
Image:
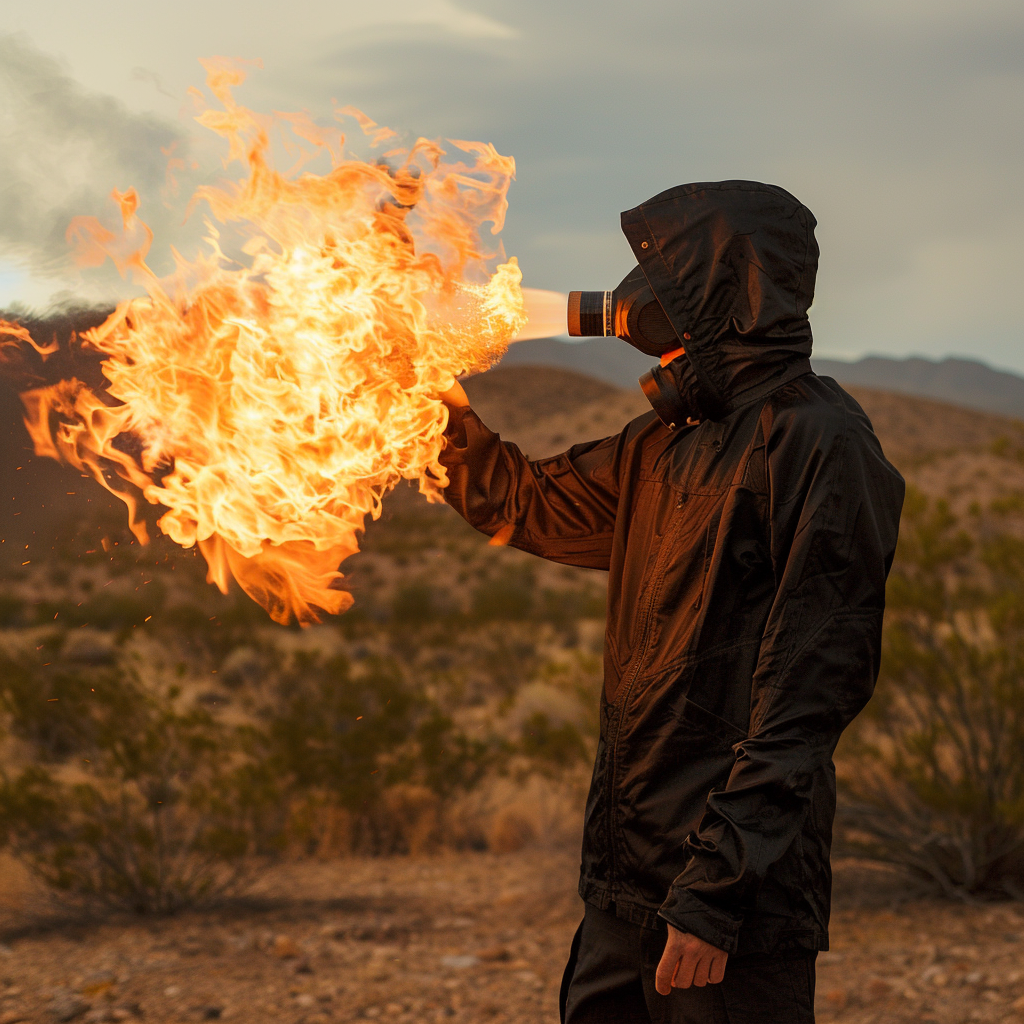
x: 898, y: 124
x: 447, y: 16
x: 901, y: 133
x: 62, y: 151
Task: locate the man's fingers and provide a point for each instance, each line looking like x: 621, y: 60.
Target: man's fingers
x: 702, y: 972
x: 665, y: 975
x: 717, y: 972
x: 688, y: 961
x: 687, y: 966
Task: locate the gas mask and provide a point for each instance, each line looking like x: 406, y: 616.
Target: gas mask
x: 633, y: 313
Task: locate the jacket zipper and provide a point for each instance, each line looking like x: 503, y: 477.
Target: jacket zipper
x: 652, y: 592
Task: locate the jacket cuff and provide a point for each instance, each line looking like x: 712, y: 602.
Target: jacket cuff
x: 455, y: 432
x: 686, y: 912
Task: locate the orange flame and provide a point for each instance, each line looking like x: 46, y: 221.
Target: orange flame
x: 275, y: 402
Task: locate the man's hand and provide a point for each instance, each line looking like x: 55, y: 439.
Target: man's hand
x: 688, y: 961
x: 455, y: 397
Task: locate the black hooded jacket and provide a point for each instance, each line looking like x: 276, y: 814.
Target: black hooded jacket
x: 747, y: 557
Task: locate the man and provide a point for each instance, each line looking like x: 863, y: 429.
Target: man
x: 747, y: 547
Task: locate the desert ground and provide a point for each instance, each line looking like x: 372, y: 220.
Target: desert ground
x: 463, y: 931
x: 468, y: 937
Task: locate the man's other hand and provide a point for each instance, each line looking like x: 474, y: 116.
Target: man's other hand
x: 688, y: 961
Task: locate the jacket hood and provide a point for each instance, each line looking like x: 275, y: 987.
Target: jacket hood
x: 733, y: 265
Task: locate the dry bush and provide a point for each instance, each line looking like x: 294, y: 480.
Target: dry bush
x: 523, y: 809
x: 512, y: 828
x: 932, y: 774
x: 165, y: 815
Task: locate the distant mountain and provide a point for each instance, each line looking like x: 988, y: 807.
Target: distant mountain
x: 607, y: 359
x: 963, y: 382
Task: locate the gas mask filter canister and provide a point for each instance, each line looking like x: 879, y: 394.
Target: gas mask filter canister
x: 630, y: 312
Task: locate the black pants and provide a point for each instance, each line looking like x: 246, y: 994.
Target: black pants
x: 609, y: 979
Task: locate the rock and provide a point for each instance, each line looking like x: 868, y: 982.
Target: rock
x: 837, y: 998
x: 495, y: 954
x: 98, y: 983
x: 1018, y: 1005
x: 459, y: 963
x: 878, y: 988
x: 285, y: 947
x: 530, y: 978
x: 305, y: 999
x: 66, y: 1005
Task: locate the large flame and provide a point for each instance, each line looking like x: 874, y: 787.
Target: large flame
x: 270, y: 404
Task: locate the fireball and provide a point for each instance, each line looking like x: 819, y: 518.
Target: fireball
x: 269, y: 399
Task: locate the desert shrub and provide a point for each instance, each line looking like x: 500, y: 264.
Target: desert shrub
x: 511, y: 829
x: 12, y: 610
x: 164, y: 813
x: 350, y: 739
x: 508, y: 595
x: 552, y: 743
x: 107, y: 610
x: 565, y: 607
x: 933, y: 775
x: 62, y: 708
x: 416, y: 604
x: 509, y: 656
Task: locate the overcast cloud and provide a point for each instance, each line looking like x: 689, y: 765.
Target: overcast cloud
x: 900, y: 123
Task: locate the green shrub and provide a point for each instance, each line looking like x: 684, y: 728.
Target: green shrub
x: 168, y: 814
x: 63, y: 709
x: 559, y: 744
x: 417, y: 604
x: 933, y: 775
x: 12, y: 610
x: 352, y: 738
x: 508, y: 595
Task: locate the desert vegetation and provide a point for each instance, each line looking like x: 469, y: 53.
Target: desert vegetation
x: 934, y: 779
x: 166, y: 747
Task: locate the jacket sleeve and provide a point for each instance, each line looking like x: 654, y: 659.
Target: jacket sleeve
x: 562, y: 508
x: 834, y: 506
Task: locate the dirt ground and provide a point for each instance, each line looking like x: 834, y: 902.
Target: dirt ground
x: 457, y: 938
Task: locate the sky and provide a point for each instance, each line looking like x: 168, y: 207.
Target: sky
x: 900, y: 123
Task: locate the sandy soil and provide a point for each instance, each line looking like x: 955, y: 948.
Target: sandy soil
x: 468, y: 937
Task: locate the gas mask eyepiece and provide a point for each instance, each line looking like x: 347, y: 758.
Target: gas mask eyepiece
x: 630, y: 312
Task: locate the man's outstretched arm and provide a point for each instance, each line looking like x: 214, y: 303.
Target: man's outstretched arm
x: 562, y: 508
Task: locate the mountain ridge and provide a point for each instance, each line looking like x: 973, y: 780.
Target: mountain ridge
x: 956, y: 380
